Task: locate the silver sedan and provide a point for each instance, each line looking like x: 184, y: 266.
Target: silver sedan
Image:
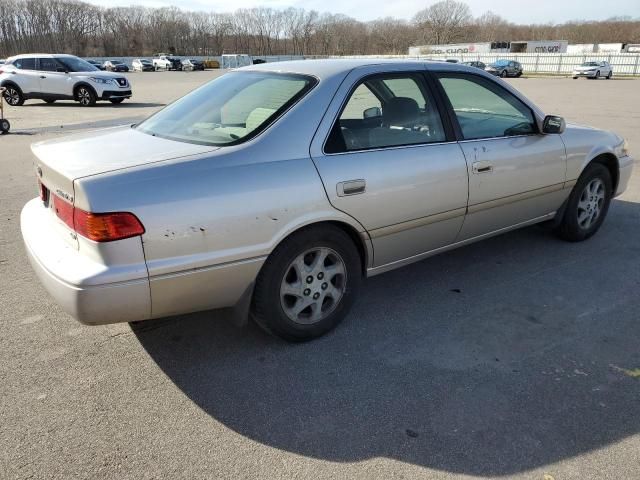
x: 275, y: 189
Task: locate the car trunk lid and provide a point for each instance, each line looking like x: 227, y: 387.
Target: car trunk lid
x: 58, y: 163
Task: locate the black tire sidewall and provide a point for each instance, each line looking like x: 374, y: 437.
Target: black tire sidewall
x: 570, y: 229
x: 4, y: 126
x: 266, y: 306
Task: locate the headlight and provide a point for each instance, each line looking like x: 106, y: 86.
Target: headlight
x: 622, y: 150
x: 103, y: 81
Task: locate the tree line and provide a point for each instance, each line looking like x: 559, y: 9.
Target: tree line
x: 84, y: 29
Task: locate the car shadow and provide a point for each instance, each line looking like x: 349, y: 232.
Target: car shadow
x: 496, y: 358
x: 100, y: 104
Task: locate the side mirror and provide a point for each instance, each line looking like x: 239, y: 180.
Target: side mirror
x: 553, y: 124
x: 372, y: 112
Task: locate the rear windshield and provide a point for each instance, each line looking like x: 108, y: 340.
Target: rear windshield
x: 230, y: 109
x: 590, y: 64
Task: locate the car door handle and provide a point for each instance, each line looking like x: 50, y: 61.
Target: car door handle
x: 351, y: 187
x: 42, y: 76
x: 481, y: 167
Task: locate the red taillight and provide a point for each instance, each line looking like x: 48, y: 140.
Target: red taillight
x: 99, y: 227
x: 106, y: 227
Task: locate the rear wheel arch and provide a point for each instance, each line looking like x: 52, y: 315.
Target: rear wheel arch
x: 356, y: 237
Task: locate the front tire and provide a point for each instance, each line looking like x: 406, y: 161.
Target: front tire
x: 609, y: 75
x: 587, y: 205
x: 308, y: 284
x: 13, y: 96
x: 503, y: 74
x: 86, y: 96
x: 597, y: 74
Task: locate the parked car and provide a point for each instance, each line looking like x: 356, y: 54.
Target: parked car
x: 115, y: 66
x: 475, y: 64
x: 142, y: 65
x: 505, y: 68
x: 593, y: 70
x: 282, y: 208
x: 165, y: 62
x: 97, y: 64
x: 191, y: 64
x: 60, y: 77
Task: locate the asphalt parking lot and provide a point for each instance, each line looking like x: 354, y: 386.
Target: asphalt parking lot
x: 516, y: 357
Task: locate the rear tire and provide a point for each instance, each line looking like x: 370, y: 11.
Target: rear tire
x: 86, y: 96
x: 587, y: 205
x: 13, y: 96
x: 609, y: 75
x: 308, y: 284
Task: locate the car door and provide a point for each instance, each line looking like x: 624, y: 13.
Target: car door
x: 25, y: 75
x: 54, y: 79
x: 387, y: 159
x: 516, y: 174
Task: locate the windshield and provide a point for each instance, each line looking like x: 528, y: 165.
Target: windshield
x: 500, y: 63
x: 590, y: 64
x: 145, y: 61
x: 230, y: 109
x: 75, y: 64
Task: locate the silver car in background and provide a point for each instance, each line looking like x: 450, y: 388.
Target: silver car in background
x: 276, y: 188
x: 594, y: 70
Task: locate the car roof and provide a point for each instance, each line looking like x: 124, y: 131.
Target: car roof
x: 330, y: 67
x: 41, y: 55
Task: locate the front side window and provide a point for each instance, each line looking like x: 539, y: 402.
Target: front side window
x: 387, y: 111
x: 49, y: 65
x: 484, y: 109
x: 75, y: 64
x: 230, y: 109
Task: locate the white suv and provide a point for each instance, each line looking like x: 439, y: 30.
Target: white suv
x: 60, y: 77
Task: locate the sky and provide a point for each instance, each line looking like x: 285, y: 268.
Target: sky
x: 517, y: 11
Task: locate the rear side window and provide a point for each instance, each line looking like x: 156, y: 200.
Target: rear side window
x: 387, y: 111
x: 25, y: 63
x: 484, y: 109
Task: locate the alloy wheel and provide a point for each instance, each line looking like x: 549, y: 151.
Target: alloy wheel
x: 12, y: 96
x: 313, y: 285
x: 84, y: 96
x: 591, y: 203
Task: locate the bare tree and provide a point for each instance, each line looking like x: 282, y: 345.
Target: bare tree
x: 444, y: 22
x: 85, y: 29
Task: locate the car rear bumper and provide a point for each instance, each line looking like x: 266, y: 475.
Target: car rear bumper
x: 71, y: 277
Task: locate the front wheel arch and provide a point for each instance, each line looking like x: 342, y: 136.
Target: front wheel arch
x: 611, y: 162
x: 85, y: 85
